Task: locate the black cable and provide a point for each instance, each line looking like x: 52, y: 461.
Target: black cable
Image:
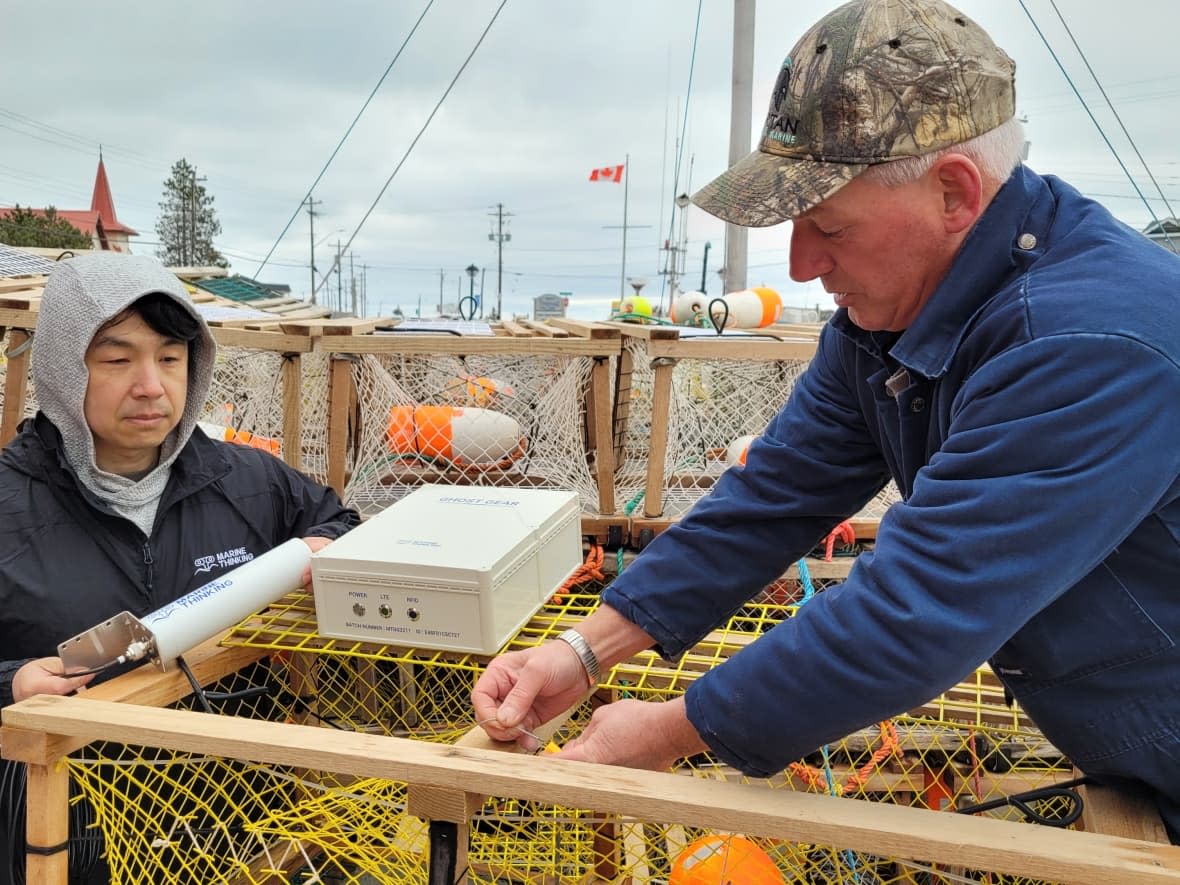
x: 718, y: 326
x: 198, y: 691
x: 1021, y: 802
x: 204, y: 697
x: 89, y: 671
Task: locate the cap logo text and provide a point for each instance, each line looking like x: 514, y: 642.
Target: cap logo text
x: 780, y: 126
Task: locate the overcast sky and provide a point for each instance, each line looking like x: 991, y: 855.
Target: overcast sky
x: 257, y: 95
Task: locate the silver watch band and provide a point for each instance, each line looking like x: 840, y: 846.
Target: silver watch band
x: 581, y: 647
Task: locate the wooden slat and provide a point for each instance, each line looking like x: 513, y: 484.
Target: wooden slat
x: 409, y: 342
x: 258, y: 340
x: 661, y: 400
x: 339, y: 400
x: 584, y: 329
x: 1116, y: 813
x: 516, y: 330
x: 47, y: 822
x: 544, y: 329
x: 16, y: 384
x: 18, y: 284
x: 337, y: 326
x: 21, y: 299
x: 734, y: 349
x: 292, y: 374
x: 602, y: 438
x: 650, y: 333
x: 875, y: 828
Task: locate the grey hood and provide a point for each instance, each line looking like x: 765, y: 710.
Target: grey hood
x: 81, y: 295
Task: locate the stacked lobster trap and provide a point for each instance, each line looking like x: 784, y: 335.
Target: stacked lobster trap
x: 637, y: 421
x: 379, y: 412
x: 179, y: 816
x: 688, y: 400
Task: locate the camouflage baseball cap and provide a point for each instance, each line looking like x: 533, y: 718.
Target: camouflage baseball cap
x: 872, y: 81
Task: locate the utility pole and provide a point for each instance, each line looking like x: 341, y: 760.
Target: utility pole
x: 500, y: 237
x: 190, y: 258
x: 365, y: 289
x: 339, y: 276
x: 442, y: 278
x: 352, y: 284
x: 737, y: 238
x: 311, y: 204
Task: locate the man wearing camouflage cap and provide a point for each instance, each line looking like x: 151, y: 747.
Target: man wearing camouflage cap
x: 1009, y: 355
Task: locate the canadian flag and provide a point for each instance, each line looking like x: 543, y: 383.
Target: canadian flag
x: 610, y: 173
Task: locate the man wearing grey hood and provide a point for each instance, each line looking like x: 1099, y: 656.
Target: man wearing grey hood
x: 112, y: 502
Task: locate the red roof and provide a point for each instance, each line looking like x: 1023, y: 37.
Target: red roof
x: 101, y: 214
x: 103, y: 204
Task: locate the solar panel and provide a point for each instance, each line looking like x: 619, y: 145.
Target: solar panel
x: 15, y: 263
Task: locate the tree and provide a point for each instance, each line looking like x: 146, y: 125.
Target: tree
x: 187, y: 222
x: 28, y: 227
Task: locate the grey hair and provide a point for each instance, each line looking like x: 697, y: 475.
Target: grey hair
x: 996, y: 153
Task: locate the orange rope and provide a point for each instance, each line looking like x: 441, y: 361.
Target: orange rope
x: 843, y: 532
x: 817, y: 780
x: 591, y: 568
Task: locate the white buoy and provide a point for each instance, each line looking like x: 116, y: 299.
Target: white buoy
x: 735, y: 452
x: 241, y: 437
x: 463, y: 435
x: 748, y: 309
x: 689, y: 307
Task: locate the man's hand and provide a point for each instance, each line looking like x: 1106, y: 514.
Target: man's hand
x: 520, y: 690
x: 42, y: 676
x: 636, y: 734
x: 316, y: 545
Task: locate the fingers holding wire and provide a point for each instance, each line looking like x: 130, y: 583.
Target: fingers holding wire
x: 48, y: 676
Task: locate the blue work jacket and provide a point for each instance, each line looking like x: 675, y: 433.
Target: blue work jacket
x: 1032, y: 424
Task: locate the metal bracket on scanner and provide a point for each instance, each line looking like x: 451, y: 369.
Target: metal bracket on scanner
x: 105, y: 643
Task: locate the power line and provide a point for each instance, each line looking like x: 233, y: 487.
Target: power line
x: 1110, y: 105
x: 340, y: 143
x: 1089, y: 113
x: 425, y: 125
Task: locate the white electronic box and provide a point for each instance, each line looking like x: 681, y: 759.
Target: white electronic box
x: 459, y: 568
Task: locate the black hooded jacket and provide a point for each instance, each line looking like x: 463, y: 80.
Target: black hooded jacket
x: 69, y: 562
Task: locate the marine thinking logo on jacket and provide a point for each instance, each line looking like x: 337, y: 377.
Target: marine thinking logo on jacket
x: 224, y: 559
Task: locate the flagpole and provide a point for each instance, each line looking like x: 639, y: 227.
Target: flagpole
x: 626, y: 183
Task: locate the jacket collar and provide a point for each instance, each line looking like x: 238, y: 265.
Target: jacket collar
x: 38, y: 452
x: 1010, y: 235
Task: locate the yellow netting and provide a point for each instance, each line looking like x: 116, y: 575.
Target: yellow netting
x: 168, y: 818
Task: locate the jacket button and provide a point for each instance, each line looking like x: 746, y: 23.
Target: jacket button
x: 917, y: 404
x: 1026, y: 241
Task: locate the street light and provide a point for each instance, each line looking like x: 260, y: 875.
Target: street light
x: 472, y: 270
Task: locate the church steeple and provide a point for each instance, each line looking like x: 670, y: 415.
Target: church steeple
x: 102, y: 202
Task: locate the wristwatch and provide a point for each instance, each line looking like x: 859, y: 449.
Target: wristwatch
x: 585, y: 653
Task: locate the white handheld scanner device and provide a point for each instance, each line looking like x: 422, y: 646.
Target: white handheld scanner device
x: 168, y: 632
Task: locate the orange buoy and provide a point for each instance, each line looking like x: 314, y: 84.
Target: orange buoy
x: 241, y: 437
x: 462, y: 435
x: 748, y: 309
x: 472, y: 390
x: 724, y: 860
